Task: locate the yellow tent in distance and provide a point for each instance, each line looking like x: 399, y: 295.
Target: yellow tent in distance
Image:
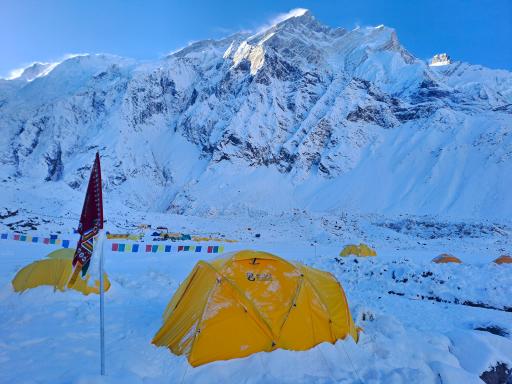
x: 361, y: 250
x: 503, y: 259
x: 253, y: 301
x: 444, y: 258
x: 54, y: 271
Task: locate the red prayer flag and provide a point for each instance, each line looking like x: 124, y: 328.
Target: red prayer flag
x: 91, y: 221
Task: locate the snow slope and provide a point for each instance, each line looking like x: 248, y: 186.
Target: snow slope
x: 416, y: 325
x: 420, y: 319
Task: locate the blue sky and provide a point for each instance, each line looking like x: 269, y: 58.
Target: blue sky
x: 34, y: 30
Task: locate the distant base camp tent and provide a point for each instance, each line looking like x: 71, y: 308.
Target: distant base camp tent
x: 250, y: 302
x: 503, y: 259
x: 361, y: 250
x: 216, y: 239
x: 127, y: 236
x: 446, y: 258
x: 54, y: 271
x: 172, y: 236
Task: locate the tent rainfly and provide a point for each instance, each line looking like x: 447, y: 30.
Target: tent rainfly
x: 361, y: 250
x: 253, y: 301
x: 444, y: 258
x: 54, y: 271
x: 503, y: 259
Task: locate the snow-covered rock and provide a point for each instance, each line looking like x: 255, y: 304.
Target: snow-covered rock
x: 440, y: 59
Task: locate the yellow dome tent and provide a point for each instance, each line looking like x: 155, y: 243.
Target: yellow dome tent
x: 361, y: 250
x: 62, y: 253
x: 444, y: 258
x: 503, y: 259
x: 55, y: 271
x: 250, y: 302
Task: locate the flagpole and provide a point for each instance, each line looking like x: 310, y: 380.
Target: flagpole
x: 91, y: 232
x: 102, y: 318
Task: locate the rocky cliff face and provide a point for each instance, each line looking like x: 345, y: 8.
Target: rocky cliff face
x: 298, y: 115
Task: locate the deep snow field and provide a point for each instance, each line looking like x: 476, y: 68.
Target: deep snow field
x: 420, y: 319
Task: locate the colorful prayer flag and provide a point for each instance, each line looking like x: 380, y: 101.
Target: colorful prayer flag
x: 159, y: 248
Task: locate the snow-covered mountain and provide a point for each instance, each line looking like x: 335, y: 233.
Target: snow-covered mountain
x: 299, y: 115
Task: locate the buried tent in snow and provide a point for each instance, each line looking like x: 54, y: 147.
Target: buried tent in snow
x: 253, y: 301
x: 503, y: 259
x: 446, y: 258
x: 358, y: 250
x: 55, y: 271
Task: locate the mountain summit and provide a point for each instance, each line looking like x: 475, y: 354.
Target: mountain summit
x: 297, y: 115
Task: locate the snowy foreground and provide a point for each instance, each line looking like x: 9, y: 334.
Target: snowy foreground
x: 419, y: 325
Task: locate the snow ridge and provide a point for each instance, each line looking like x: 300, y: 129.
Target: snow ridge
x: 298, y: 115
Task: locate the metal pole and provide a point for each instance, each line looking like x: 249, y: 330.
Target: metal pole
x: 102, y: 319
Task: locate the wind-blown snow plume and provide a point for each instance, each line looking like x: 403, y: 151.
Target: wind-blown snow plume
x: 296, y: 12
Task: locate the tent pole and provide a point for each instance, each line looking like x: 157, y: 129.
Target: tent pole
x: 102, y: 322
